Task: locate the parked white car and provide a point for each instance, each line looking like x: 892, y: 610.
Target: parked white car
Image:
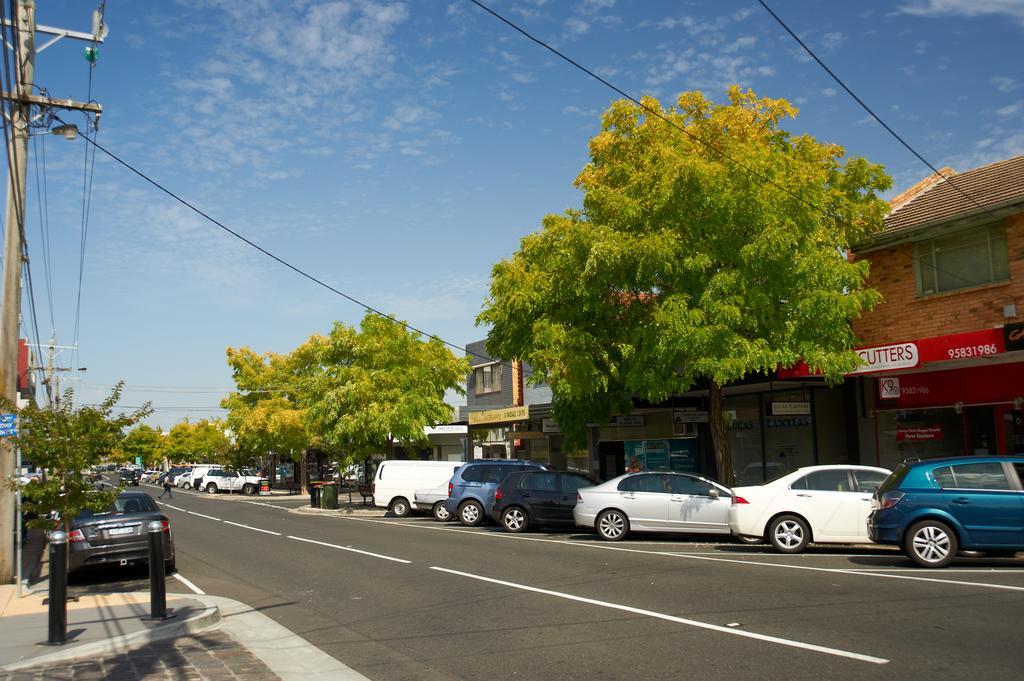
x: 820, y: 504
x: 183, y: 480
x: 432, y: 501
x: 199, y: 474
x: 654, y: 502
x: 396, y: 482
x: 226, y: 480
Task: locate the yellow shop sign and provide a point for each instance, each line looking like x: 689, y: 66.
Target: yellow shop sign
x: 502, y: 415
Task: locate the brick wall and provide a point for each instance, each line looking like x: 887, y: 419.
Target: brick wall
x: 905, y: 316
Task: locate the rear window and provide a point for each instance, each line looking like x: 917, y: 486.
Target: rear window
x: 125, y: 504
x: 894, y: 479
x: 474, y: 473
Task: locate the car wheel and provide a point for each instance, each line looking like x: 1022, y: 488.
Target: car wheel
x: 400, y: 507
x: 249, y: 489
x: 187, y: 485
x: 612, y: 525
x: 441, y: 513
x: 211, y: 488
x: 931, y: 544
x: 789, y: 534
x: 471, y: 513
x: 514, y: 519
x: 746, y: 539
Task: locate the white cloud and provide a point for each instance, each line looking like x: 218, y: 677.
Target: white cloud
x: 408, y: 116
x: 522, y: 78
x: 969, y: 8
x: 1004, y: 83
x: 594, y: 6
x: 1010, y: 110
x: 828, y: 92
x: 742, y: 43
x: 576, y: 26
x: 832, y: 40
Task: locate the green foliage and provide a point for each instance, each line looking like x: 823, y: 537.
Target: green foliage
x: 68, y: 442
x: 201, y: 442
x: 377, y: 385
x: 147, y: 442
x: 683, y: 266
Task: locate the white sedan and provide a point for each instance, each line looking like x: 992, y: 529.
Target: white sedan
x: 821, y: 504
x: 654, y: 502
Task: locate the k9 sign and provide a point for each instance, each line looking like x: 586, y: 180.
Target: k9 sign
x: 889, y: 387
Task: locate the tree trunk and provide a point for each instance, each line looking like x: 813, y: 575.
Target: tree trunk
x: 720, y: 437
x: 303, y: 472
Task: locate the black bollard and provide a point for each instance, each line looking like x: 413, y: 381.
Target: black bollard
x: 314, y: 496
x: 58, y: 627
x: 157, y: 568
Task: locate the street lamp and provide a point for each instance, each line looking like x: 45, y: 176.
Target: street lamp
x: 68, y: 130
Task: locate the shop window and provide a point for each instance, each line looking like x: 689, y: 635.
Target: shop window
x: 789, y: 441
x: 487, y: 379
x: 969, y: 258
x: 919, y: 433
x: 743, y: 418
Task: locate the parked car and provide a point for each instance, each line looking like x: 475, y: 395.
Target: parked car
x: 184, y: 479
x: 226, y: 480
x: 129, y: 476
x: 471, y: 489
x: 396, y: 482
x: 820, y: 504
x: 654, y: 502
x: 528, y: 499
x: 172, y: 474
x: 198, y: 473
x: 432, y: 500
x: 118, y: 535
x: 932, y: 509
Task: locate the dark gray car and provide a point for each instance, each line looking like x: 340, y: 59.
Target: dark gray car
x: 118, y: 535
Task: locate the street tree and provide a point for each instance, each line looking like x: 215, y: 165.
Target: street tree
x: 684, y: 267
x: 199, y: 441
x: 67, y: 441
x: 265, y: 413
x: 371, y: 387
x: 147, y: 442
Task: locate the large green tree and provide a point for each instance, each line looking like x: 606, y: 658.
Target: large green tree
x: 683, y: 266
x: 202, y: 441
x: 377, y: 385
x: 146, y: 442
x: 67, y: 441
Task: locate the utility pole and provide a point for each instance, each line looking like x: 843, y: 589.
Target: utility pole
x: 22, y: 100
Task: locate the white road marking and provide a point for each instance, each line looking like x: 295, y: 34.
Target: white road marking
x: 672, y: 618
x: 203, y: 515
x: 254, y: 529
x: 195, y: 589
x: 697, y: 556
x: 349, y: 548
x: 174, y: 507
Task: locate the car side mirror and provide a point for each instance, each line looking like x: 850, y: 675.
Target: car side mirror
x: 713, y: 493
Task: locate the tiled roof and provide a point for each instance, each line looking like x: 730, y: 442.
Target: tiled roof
x: 995, y: 184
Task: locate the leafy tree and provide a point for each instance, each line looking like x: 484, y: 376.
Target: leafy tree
x: 147, y: 442
x: 68, y: 441
x: 201, y: 441
x: 370, y: 387
x: 684, y: 267
x: 265, y: 413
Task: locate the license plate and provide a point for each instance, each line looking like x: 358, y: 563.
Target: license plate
x: 115, y: 531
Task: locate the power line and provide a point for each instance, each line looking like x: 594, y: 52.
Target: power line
x: 680, y: 128
x: 864, y: 106
x: 44, y: 222
x: 282, y: 261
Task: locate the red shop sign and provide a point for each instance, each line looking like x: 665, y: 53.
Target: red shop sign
x: 912, y: 354
x: 986, y: 384
x: 918, y: 433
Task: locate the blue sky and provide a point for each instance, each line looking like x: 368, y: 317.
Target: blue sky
x: 398, y: 149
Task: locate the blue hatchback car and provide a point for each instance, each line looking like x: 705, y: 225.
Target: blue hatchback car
x: 932, y: 509
x: 471, y: 489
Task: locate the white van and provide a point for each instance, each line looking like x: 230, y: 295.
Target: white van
x: 396, y: 482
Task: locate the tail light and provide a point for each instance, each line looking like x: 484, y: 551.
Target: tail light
x: 75, y: 536
x: 165, y: 525
x: 579, y: 498
x: 890, y: 499
x: 498, y: 494
x: 450, y: 486
x: 737, y: 499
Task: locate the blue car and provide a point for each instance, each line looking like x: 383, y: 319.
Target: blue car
x: 933, y: 509
x: 471, y: 489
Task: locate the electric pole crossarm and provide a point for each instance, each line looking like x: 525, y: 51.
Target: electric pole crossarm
x: 39, y: 100
x: 60, y: 33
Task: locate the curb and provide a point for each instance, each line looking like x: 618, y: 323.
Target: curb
x: 209, y: 618
x: 369, y: 512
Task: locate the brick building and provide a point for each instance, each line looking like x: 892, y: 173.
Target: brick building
x: 945, y: 350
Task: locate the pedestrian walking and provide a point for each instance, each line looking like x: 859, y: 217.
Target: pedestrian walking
x: 167, y: 488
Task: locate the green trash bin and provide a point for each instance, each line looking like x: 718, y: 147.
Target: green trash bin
x: 329, y: 495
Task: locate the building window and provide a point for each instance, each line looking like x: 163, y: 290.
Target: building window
x: 961, y: 260
x: 487, y: 379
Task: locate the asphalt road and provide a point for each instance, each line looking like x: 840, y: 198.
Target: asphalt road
x: 414, y: 599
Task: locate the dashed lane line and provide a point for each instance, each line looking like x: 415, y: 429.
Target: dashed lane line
x: 174, y: 507
x: 672, y: 618
x: 203, y: 515
x: 349, y: 548
x: 254, y: 529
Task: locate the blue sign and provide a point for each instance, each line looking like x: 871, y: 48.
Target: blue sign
x: 7, y: 419
x: 7, y: 431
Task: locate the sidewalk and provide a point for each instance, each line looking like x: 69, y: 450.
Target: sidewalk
x: 209, y: 639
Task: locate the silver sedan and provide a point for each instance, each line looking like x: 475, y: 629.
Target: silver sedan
x: 654, y: 502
